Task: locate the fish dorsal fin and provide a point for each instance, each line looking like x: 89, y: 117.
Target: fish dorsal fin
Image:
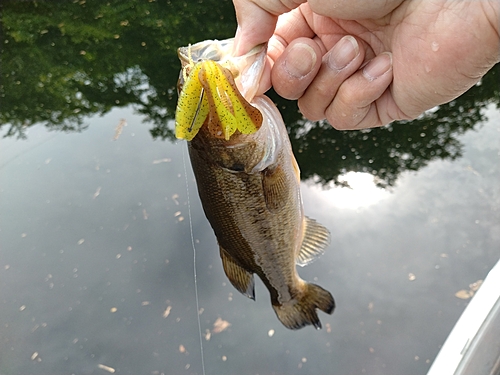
x: 241, y: 279
x: 316, y: 239
x: 274, y: 185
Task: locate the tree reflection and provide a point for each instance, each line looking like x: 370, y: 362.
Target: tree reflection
x: 64, y: 61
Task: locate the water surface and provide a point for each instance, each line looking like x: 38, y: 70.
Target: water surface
x: 96, y: 256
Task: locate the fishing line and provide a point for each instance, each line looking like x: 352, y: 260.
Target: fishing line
x: 194, y: 262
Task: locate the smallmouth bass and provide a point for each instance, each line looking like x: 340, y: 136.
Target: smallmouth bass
x: 248, y: 179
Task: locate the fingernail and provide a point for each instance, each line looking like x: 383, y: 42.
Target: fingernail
x: 378, y: 66
x: 343, y: 53
x: 300, y: 60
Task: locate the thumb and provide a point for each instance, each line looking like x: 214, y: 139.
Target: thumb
x: 255, y: 26
x: 257, y: 20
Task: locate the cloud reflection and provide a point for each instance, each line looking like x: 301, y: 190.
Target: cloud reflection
x: 361, y: 191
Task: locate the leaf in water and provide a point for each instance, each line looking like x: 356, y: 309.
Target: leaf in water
x: 97, y: 192
x: 164, y: 160
x: 119, y: 128
x: 106, y: 368
x: 167, y: 311
x: 220, y: 325
x: 208, y: 334
x: 463, y: 294
x: 475, y: 286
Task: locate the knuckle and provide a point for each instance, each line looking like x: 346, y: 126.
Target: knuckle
x: 310, y: 110
x: 348, y: 95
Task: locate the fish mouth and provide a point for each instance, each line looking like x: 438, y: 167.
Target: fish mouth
x: 247, y: 69
x: 215, y: 89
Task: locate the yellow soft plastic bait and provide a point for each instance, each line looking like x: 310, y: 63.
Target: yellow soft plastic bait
x: 209, y: 92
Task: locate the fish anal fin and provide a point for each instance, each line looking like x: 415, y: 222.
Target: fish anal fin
x: 274, y: 185
x: 302, y: 312
x: 316, y: 239
x: 241, y: 279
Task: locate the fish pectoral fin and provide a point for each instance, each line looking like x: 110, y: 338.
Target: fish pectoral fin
x: 274, y: 186
x: 241, y: 279
x: 316, y: 239
x: 301, y: 312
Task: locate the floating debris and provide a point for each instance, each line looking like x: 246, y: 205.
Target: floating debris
x: 166, y: 313
x: 208, y: 335
x: 411, y: 276
x: 270, y: 333
x: 97, y: 192
x: 178, y: 216
x: 165, y: 160
x: 466, y: 294
x: 145, y: 303
x: 463, y: 294
x: 80, y: 241
x: 34, y: 356
x: 174, y: 198
x: 145, y: 214
x: 113, y: 309
x: 119, y: 128
x: 182, y: 349
x: 220, y: 325
x: 106, y: 368
x: 475, y: 286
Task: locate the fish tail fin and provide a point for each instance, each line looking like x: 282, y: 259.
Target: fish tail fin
x: 303, y: 311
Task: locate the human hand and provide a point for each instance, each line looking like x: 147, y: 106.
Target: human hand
x: 364, y: 64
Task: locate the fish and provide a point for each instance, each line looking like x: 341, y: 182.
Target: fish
x: 248, y: 179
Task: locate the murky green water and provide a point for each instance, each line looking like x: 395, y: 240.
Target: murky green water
x: 96, y: 257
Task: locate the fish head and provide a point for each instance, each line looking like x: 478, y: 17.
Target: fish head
x: 246, y: 69
x: 216, y: 88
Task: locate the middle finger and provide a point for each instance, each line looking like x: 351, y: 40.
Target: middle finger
x: 344, y: 59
